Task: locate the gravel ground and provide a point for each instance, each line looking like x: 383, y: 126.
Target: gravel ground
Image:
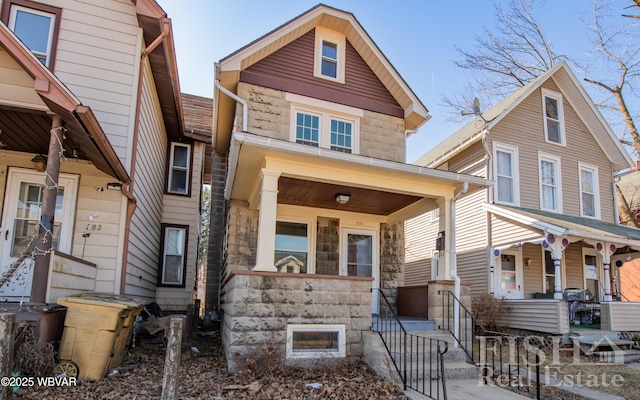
x: 204, y: 376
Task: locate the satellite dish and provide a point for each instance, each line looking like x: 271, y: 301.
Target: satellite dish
x: 476, y: 106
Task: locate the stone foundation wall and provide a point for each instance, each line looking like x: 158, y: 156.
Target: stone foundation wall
x: 391, y: 259
x: 259, y: 306
x: 328, y: 246
x: 441, y: 310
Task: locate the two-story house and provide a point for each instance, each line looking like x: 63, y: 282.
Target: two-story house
x: 310, y: 123
x: 99, y: 166
x: 547, y: 233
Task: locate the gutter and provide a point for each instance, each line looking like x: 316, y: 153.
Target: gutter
x: 128, y: 189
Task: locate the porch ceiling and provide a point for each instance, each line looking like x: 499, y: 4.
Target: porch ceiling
x: 322, y: 195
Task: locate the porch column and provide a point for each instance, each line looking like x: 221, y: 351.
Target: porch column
x: 265, y: 253
x: 444, y: 227
x: 44, y: 245
x: 606, y: 250
x: 556, y: 247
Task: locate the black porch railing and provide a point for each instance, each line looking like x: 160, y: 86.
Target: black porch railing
x: 417, y: 359
x: 504, y: 360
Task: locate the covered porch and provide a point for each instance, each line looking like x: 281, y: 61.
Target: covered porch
x: 563, y: 272
x: 45, y: 132
x: 328, y: 219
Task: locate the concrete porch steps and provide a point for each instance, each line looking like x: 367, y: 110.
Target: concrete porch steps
x: 410, y: 324
x: 607, y: 345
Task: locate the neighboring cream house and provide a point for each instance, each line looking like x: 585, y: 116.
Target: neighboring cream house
x: 547, y: 232
x: 310, y: 123
x: 99, y: 79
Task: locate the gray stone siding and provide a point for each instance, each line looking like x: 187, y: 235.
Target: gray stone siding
x: 328, y: 246
x: 259, y: 306
x: 391, y: 259
x: 269, y: 114
x: 241, y: 237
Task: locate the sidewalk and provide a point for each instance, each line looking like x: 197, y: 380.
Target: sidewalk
x: 470, y: 389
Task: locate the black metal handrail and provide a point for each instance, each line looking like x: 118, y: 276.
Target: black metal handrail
x: 412, y: 355
x: 499, y: 356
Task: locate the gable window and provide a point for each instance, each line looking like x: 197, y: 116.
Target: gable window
x: 550, y: 194
x: 292, y: 247
x: 174, y: 258
x: 589, y: 197
x: 324, y: 124
x: 553, y: 117
x: 506, y: 190
x: 329, y: 54
x: 329, y: 63
x: 35, y: 25
x: 179, y: 169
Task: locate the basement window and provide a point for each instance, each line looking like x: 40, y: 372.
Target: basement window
x: 317, y: 340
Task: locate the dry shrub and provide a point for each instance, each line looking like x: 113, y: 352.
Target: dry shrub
x: 34, y: 358
x: 488, y: 310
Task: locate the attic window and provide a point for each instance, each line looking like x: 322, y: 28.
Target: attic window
x: 329, y: 55
x: 553, y: 117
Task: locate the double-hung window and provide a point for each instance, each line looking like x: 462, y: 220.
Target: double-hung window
x: 589, y: 196
x: 550, y: 184
x: 323, y: 124
x: 553, y: 117
x: 179, y: 169
x: 35, y: 25
x: 329, y: 55
x: 506, y: 189
x: 174, y: 258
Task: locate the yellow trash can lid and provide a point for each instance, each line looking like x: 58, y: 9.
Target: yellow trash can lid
x: 101, y: 299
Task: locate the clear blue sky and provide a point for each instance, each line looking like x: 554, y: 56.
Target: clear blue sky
x: 418, y: 37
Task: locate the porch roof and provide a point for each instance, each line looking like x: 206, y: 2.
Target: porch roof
x: 569, y: 225
x: 312, y: 177
x: 25, y: 108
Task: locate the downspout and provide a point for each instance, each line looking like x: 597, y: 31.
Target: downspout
x: 237, y: 98
x: 128, y: 190
x: 453, y: 270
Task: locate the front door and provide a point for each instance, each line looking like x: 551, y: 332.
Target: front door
x: 509, y: 270
x: 360, y: 258
x: 20, y: 223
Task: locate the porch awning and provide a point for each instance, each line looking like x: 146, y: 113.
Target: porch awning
x: 27, y: 102
x: 568, y: 225
x: 312, y: 176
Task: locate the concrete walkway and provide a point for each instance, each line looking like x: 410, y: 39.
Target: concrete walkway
x: 470, y: 389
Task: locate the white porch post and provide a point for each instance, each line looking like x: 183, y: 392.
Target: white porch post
x: 444, y: 225
x: 606, y: 250
x: 556, y: 246
x: 265, y: 252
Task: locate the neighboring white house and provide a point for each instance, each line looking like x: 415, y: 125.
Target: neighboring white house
x: 99, y: 78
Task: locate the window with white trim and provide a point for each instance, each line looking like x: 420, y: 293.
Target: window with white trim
x: 292, y: 247
x: 35, y: 28
x: 174, y: 258
x: 329, y: 57
x: 550, y: 182
x: 589, y: 193
x: 179, y: 169
x: 553, y: 117
x: 315, y: 340
x: 323, y: 124
x: 505, y: 164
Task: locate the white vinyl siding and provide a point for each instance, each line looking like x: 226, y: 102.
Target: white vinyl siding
x: 145, y: 231
x: 589, y: 191
x: 505, y: 167
x: 550, y: 182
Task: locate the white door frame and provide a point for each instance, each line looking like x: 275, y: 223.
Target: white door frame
x: 518, y: 293
x: 15, y: 177
x: 375, y: 259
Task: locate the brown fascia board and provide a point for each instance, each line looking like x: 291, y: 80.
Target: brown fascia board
x: 92, y: 126
x: 149, y: 8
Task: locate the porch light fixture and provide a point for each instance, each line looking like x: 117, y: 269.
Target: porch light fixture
x: 39, y: 162
x: 527, y: 262
x: 343, y: 198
